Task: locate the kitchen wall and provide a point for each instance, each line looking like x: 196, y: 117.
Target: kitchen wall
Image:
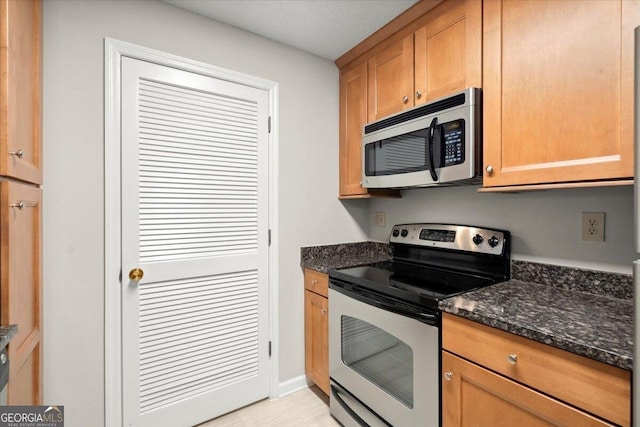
x: 74, y: 176
x: 545, y: 225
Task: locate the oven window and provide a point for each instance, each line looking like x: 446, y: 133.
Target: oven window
x: 378, y: 356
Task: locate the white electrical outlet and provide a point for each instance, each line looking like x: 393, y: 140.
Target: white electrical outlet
x: 380, y: 219
x: 593, y: 226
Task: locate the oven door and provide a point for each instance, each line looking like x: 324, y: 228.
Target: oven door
x: 384, y: 366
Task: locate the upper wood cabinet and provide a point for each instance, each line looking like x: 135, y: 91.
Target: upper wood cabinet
x: 21, y: 89
x: 430, y: 51
x: 443, y: 55
x: 558, y: 90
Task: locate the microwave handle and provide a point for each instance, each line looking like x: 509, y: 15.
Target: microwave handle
x: 433, y: 128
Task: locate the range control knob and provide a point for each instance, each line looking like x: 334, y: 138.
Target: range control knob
x: 404, y: 232
x: 395, y: 232
x: 477, y: 239
x: 493, y: 241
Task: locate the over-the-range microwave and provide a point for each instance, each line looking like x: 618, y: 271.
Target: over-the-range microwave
x: 438, y: 143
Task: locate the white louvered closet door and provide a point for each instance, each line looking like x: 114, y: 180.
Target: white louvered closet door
x: 194, y: 220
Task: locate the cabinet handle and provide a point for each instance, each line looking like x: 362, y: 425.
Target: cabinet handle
x: 23, y: 204
x: 448, y: 376
x: 512, y: 358
x: 19, y: 154
x: 405, y: 99
x: 314, y: 282
x: 489, y: 169
x: 418, y: 94
x: 323, y: 311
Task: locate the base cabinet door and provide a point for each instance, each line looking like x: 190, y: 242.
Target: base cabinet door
x: 474, y: 396
x: 21, y: 289
x: 316, y: 325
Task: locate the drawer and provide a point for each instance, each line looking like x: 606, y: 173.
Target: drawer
x: 317, y: 282
x: 596, y: 387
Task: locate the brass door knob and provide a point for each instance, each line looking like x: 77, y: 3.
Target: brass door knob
x: 136, y: 274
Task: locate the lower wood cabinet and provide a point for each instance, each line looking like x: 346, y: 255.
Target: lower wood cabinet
x: 316, y: 328
x: 496, y: 378
x: 21, y: 288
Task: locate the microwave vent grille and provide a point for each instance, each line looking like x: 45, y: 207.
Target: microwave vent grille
x: 425, y: 110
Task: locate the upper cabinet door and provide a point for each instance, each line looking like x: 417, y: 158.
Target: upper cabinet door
x: 558, y: 90
x: 353, y: 116
x: 448, y: 51
x: 391, y: 79
x: 20, y: 89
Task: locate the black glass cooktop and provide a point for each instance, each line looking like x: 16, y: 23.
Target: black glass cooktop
x: 409, y: 282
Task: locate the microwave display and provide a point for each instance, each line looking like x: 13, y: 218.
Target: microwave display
x: 410, y: 152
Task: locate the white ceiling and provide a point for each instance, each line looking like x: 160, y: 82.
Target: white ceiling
x: 327, y: 28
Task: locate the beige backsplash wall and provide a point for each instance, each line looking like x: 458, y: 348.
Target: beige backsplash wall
x: 545, y: 225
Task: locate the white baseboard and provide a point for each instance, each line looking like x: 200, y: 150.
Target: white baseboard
x: 292, y: 385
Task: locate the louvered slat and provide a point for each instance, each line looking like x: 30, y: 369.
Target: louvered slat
x: 198, y: 169
x: 196, y: 335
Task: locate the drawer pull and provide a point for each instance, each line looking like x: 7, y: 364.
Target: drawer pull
x: 19, y: 154
x: 448, y: 376
x: 405, y: 99
x: 314, y: 282
x: 23, y: 204
x: 512, y: 358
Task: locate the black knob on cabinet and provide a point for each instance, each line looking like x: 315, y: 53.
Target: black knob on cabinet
x: 493, y: 241
x: 404, y: 232
x: 395, y: 232
x: 477, y: 239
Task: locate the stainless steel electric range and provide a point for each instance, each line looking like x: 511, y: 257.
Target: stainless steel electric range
x: 384, y: 322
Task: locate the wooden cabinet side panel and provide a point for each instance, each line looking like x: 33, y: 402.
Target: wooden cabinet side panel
x: 476, y: 396
x: 556, y: 95
x: 21, y: 284
x: 353, y: 116
x: 316, y: 340
x: 448, y: 51
x: 21, y: 89
x: 390, y: 79
x: 594, y: 386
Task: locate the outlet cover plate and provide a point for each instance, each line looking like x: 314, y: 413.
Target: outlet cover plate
x: 593, y: 226
x: 380, y: 219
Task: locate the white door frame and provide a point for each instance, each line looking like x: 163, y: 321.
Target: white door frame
x: 113, y: 51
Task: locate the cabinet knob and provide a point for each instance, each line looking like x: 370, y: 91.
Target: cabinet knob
x: 19, y: 154
x: 418, y: 94
x: 512, y: 358
x: 314, y: 282
x: 323, y: 311
x: 405, y: 99
x: 448, y: 376
x: 489, y: 169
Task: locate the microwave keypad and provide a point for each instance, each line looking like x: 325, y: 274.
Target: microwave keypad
x: 453, y: 142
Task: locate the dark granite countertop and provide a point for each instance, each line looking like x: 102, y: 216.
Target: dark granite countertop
x: 325, y: 258
x: 596, y: 326
x: 6, y: 333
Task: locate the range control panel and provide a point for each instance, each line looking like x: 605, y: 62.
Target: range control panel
x: 448, y: 236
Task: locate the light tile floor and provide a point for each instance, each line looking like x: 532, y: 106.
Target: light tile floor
x: 308, y: 407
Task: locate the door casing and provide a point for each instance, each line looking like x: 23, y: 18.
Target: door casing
x: 113, y: 52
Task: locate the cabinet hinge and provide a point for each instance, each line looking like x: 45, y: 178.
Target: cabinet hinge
x: 269, y: 237
x: 269, y: 348
x: 269, y: 124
